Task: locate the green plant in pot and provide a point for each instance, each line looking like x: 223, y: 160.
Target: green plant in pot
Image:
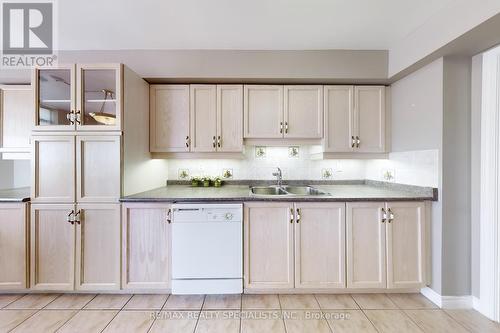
x: 206, y: 181
x: 217, y: 182
x: 195, y: 181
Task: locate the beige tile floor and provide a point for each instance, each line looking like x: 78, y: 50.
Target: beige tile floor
x: 234, y: 314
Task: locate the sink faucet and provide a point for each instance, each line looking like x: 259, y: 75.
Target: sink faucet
x: 279, y: 177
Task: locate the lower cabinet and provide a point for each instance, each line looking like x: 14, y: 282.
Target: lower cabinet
x: 13, y: 246
x: 291, y: 245
x: 327, y: 246
x: 62, y: 232
x: 146, y: 244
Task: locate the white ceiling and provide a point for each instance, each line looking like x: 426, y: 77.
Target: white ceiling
x: 240, y: 24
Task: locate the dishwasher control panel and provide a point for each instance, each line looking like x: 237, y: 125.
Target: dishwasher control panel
x: 206, y: 212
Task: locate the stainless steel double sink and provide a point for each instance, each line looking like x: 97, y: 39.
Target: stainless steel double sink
x: 287, y: 190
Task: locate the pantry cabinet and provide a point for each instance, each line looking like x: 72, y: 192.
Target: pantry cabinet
x: 319, y: 245
x: 79, y: 97
x: 14, y: 218
x: 146, y: 244
x: 16, y: 112
x: 84, y: 168
x: 268, y: 245
x: 355, y: 119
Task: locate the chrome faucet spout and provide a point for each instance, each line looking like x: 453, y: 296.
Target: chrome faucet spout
x: 279, y: 177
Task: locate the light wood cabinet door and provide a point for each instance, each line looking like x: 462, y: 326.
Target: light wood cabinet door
x: 99, y: 97
x: 268, y: 245
x: 405, y: 245
x: 55, y: 98
x: 146, y: 244
x: 52, y: 247
x: 16, y: 114
x: 230, y: 118
x: 303, y: 112
x: 263, y: 112
x: 169, y: 118
x: 339, y: 119
x: 319, y: 245
x: 53, y: 168
x: 98, y: 168
x: 369, y: 103
x: 365, y: 237
x: 203, y: 117
x: 13, y: 246
x: 97, y: 247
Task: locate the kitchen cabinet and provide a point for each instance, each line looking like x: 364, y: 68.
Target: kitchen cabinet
x: 303, y: 112
x: 169, y: 114
x: 98, y: 245
x: 75, y: 247
x: 79, y: 97
x: 14, y: 246
x: 365, y: 238
x: 319, y: 245
x: 203, y: 118
x: 16, y: 112
x: 275, y: 112
x: 355, y: 119
x: 405, y: 245
x: 196, y: 118
x: 94, y: 162
x: 52, y: 247
x: 268, y: 245
x: 263, y: 112
x: 146, y: 244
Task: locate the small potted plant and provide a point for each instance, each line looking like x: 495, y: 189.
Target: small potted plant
x: 206, y: 181
x: 195, y: 181
x: 217, y: 182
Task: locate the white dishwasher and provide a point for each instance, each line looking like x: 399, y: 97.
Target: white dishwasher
x: 207, y: 249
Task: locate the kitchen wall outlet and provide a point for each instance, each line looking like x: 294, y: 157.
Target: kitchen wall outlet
x: 260, y: 152
x: 227, y: 173
x: 293, y: 152
x: 327, y: 173
x: 183, y: 174
x: 388, y: 175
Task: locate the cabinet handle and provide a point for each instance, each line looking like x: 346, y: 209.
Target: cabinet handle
x: 187, y: 141
x: 358, y: 141
x: 71, y: 117
x: 71, y: 219
x: 78, y: 117
x: 353, y: 142
x: 77, y: 217
x: 213, y: 141
x: 286, y: 127
x: 219, y: 141
x: 291, y: 215
x: 169, y: 216
x: 281, y: 127
x: 384, y: 215
x: 298, y: 215
x: 391, y: 215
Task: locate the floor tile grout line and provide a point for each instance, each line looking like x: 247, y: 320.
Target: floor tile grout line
x: 6, y: 305
x: 199, y: 314
x: 411, y: 319
x: 323, y: 315
x: 367, y: 317
x: 34, y: 313
x: 117, y: 312
x: 459, y: 323
x: 393, y: 302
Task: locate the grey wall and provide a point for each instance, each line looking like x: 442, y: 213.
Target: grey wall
x: 6, y: 174
x: 475, y: 165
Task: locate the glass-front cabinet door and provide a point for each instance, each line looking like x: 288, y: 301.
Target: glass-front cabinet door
x: 55, y: 98
x: 99, y: 100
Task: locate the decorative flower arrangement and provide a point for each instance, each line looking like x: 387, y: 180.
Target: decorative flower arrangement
x: 206, y: 181
x: 217, y: 182
x: 195, y: 181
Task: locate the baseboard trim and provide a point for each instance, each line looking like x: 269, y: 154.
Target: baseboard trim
x: 448, y: 302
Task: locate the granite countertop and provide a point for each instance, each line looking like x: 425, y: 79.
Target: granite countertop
x: 21, y: 194
x: 357, y: 191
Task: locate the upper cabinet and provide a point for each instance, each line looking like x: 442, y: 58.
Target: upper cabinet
x: 274, y: 112
x: 355, y: 119
x: 78, y: 97
x: 196, y: 118
x: 16, y: 112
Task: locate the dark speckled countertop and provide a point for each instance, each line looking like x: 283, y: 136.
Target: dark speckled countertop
x: 341, y: 191
x: 21, y: 194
